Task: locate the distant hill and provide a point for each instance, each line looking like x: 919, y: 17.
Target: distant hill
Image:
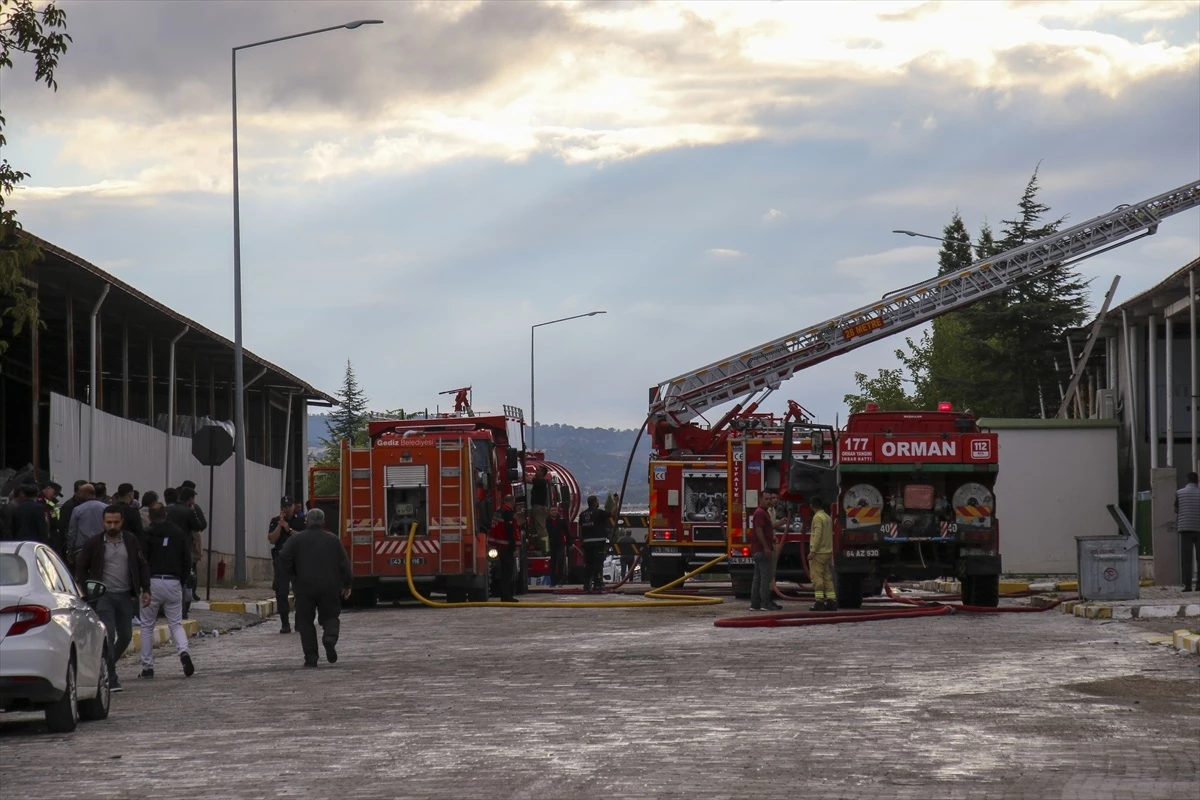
x: 596, y: 456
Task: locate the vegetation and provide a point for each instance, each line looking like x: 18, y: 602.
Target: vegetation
x: 25, y: 30
x: 997, y: 357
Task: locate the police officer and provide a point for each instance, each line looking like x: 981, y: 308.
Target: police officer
x: 505, y: 537
x: 593, y: 530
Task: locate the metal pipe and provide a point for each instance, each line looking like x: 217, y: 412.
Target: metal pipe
x: 92, y: 386
x: 1152, y: 387
x: 287, y: 436
x: 1130, y: 417
x: 1170, y: 378
x: 125, y: 368
x: 1195, y: 381
x: 171, y: 397
x: 35, y: 359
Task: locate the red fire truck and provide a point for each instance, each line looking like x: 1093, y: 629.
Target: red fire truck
x: 915, y: 500
x: 756, y: 464
x: 444, y: 475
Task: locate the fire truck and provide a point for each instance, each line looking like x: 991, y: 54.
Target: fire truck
x: 757, y: 464
x: 915, y: 500
x: 444, y: 476
x: 690, y: 462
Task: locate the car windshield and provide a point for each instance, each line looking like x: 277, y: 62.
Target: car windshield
x: 13, y: 571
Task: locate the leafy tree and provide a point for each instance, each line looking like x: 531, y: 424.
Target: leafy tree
x: 885, y: 390
x: 42, y: 35
x: 346, y: 422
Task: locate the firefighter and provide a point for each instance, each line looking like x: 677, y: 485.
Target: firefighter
x: 505, y: 537
x: 593, y: 530
x: 820, y: 555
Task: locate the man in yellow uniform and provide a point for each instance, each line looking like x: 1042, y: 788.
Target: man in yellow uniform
x: 820, y: 555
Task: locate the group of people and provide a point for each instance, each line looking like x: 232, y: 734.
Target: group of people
x: 765, y: 547
x: 142, y: 548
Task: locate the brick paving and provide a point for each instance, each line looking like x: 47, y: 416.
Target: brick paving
x: 611, y: 703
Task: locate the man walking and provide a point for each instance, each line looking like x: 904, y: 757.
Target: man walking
x: 593, y: 531
x: 190, y: 520
x: 627, y: 549
x: 169, y: 554
x: 539, y: 506
x: 133, y: 518
x: 762, y: 553
x: 318, y: 563
x: 279, y: 530
x: 1187, y: 524
x: 820, y: 556
x: 115, y: 559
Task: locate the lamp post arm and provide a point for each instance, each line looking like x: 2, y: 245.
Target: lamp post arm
x: 285, y: 38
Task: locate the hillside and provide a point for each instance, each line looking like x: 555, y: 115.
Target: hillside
x: 596, y: 456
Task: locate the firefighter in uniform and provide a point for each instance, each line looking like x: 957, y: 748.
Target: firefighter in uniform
x: 593, y: 530
x: 505, y: 537
x: 820, y: 555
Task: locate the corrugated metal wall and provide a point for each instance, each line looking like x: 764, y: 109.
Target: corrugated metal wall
x: 129, y: 452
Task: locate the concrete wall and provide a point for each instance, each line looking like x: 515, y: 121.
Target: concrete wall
x: 1056, y: 477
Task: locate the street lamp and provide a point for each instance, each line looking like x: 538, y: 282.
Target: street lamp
x: 239, y: 387
x: 922, y: 235
x: 532, y: 328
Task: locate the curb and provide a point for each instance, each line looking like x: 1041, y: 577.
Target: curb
x: 1108, y: 611
x: 162, y: 635
x: 1182, y: 640
x: 1010, y: 587
x: 261, y: 609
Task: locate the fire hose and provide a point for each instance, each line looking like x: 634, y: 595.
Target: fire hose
x: 656, y: 598
x: 934, y: 606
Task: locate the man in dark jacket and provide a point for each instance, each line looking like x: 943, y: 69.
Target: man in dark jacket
x: 115, y: 559
x: 188, y: 519
x: 133, y: 518
x: 169, y: 554
x: 28, y: 520
x: 279, y: 530
x: 505, y: 537
x: 320, y: 571
x: 593, y: 531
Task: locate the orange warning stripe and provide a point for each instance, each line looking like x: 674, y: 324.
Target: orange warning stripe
x: 865, y: 515
x: 972, y: 512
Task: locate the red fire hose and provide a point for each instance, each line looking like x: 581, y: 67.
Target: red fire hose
x: 925, y: 607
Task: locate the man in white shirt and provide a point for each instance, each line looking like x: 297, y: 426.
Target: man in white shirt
x: 1187, y: 524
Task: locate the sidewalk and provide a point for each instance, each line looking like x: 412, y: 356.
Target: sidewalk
x: 229, y: 610
x: 1153, y: 602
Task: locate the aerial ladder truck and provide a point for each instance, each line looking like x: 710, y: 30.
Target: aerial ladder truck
x: 749, y: 376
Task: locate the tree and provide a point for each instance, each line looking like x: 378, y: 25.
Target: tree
x: 346, y: 422
x: 42, y: 35
x: 885, y: 390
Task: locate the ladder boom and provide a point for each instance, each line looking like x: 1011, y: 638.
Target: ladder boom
x: 685, y: 397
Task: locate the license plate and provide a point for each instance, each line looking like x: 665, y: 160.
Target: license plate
x: 664, y: 551
x: 399, y: 562
x: 861, y: 553
x: 741, y: 560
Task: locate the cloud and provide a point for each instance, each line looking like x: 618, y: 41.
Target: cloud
x: 773, y: 215
x: 724, y: 252
x: 588, y: 84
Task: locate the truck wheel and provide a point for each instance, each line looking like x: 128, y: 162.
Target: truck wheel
x: 661, y: 579
x: 456, y: 595
x: 741, y: 586
x: 849, y: 591
x: 987, y: 591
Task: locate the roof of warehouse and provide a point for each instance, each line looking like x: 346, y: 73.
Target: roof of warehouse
x: 60, y: 269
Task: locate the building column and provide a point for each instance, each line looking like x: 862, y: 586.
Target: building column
x: 1152, y: 386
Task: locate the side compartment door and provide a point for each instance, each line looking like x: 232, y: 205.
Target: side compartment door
x: 358, y: 513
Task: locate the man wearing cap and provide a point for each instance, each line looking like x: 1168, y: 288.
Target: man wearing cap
x: 48, y: 500
x: 279, y: 530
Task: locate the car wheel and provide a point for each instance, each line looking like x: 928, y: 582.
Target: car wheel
x: 96, y: 708
x: 63, y: 716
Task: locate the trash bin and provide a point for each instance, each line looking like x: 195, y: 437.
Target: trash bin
x: 1108, y: 565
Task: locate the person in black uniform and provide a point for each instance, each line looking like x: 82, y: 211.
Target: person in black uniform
x: 504, y: 536
x: 168, y: 552
x: 183, y: 513
x: 279, y: 530
x: 556, y: 529
x: 593, y: 531
x: 317, y: 562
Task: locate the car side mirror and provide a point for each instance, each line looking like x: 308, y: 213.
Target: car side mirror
x: 94, y: 590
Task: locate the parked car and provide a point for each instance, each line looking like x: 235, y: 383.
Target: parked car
x: 53, y: 646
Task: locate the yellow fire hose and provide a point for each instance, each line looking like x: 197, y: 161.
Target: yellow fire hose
x: 657, y: 598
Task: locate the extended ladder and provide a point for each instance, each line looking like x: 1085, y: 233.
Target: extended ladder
x: 685, y: 397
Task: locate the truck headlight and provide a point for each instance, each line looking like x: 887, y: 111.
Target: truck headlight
x: 493, y: 553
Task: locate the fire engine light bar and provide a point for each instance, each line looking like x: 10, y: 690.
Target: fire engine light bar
x: 944, y: 406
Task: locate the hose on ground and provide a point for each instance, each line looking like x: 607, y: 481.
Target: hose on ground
x: 656, y: 598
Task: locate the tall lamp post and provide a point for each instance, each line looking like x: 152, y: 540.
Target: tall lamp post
x: 922, y: 235
x: 239, y: 386
x: 532, y: 411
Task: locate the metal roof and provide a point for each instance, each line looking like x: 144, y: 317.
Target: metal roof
x: 60, y: 272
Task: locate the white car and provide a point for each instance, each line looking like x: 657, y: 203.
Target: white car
x: 53, y: 646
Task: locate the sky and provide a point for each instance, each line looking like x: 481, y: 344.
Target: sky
x: 416, y: 195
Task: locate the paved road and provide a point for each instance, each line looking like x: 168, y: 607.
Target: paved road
x: 510, y: 703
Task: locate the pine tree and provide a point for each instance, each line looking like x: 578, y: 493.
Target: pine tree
x: 349, y: 420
